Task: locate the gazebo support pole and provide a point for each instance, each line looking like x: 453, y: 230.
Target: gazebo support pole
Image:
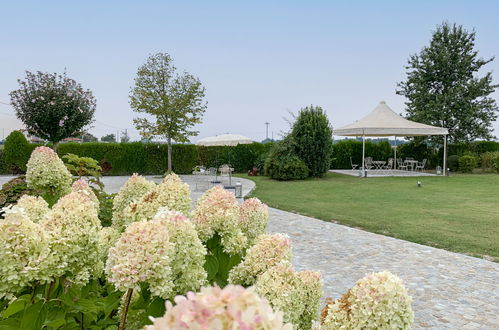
x: 395, y: 160
x: 445, y: 156
x: 363, y: 154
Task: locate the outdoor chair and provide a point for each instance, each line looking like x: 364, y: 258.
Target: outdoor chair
x: 421, y: 165
x: 368, y: 163
x: 199, y: 170
x: 389, y: 164
x: 225, y: 171
x: 354, y: 166
x: 401, y: 165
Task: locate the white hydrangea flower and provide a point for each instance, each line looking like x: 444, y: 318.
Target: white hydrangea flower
x: 82, y: 186
x: 47, y: 172
x: 217, y: 212
x: 188, y: 259
x: 35, y: 207
x: 268, y: 251
x: 171, y: 193
x: 253, y: 218
x: 25, y: 255
x: 74, y: 227
x: 297, y: 294
x: 133, y: 189
x: 143, y: 254
x: 377, y: 301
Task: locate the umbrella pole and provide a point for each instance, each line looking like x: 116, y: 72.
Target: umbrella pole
x: 445, y: 156
x: 363, y: 155
x: 395, y: 160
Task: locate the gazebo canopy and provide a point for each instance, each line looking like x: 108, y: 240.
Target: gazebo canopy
x: 224, y: 140
x: 383, y: 121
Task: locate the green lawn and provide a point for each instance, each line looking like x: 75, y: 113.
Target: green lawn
x: 458, y: 213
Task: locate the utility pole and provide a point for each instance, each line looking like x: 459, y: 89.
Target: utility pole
x: 267, y: 130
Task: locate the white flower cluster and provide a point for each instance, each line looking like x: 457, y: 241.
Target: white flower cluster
x: 143, y: 254
x: 189, y: 252
x: 82, y: 186
x: 233, y: 307
x: 253, y: 218
x: 25, y: 255
x: 134, y: 189
x: 268, y: 251
x: 217, y: 212
x: 35, y: 207
x: 377, y: 301
x: 74, y: 227
x: 171, y: 193
x: 46, y: 172
x: 297, y: 294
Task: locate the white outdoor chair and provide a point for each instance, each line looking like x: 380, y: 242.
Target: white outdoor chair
x: 401, y: 165
x: 421, y: 165
x: 389, y: 165
x: 368, y: 163
x: 354, y: 166
x: 225, y: 171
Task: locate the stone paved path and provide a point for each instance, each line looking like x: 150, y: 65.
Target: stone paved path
x: 449, y: 290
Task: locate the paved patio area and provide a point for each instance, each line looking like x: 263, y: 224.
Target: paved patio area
x: 382, y: 173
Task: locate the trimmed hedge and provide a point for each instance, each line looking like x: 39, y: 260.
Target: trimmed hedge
x: 149, y: 158
x: 474, y: 148
x: 344, y: 149
x: 17, y: 151
x: 3, y: 164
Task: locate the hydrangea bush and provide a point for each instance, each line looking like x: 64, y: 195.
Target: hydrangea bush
x: 377, y: 301
x: 46, y: 172
x: 253, y: 218
x: 233, y: 307
x: 81, y: 186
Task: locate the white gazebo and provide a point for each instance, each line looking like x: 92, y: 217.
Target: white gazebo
x: 383, y: 121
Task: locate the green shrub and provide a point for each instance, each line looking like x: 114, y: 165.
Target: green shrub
x: 17, y: 151
x: 286, y: 168
x: 467, y: 163
x: 453, y: 163
x: 3, y: 164
x: 13, y: 190
x: 495, y: 161
x: 313, y: 138
x: 486, y: 160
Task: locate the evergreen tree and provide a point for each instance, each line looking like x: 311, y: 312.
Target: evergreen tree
x: 443, y: 87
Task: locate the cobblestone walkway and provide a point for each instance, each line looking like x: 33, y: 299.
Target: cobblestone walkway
x: 449, y: 290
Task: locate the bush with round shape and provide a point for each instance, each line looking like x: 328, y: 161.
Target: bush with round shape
x: 377, y: 301
x: 467, y: 163
x: 16, y: 151
x: 232, y: 307
x: 453, y: 163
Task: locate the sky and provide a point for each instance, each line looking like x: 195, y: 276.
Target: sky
x: 258, y: 60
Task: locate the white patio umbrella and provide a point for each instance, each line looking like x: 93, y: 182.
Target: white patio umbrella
x: 383, y: 121
x: 224, y: 140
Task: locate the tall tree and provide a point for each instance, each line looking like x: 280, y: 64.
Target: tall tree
x: 443, y: 87
x: 53, y: 106
x: 312, y: 136
x: 175, y: 100
x: 108, y: 138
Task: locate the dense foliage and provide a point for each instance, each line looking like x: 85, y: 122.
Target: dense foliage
x: 174, y: 100
x: 443, y: 87
x: 53, y: 106
x: 12, y: 191
x: 283, y: 163
x: 313, y: 138
x: 16, y: 152
x: 467, y: 163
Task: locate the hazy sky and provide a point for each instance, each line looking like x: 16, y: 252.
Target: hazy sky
x: 258, y: 60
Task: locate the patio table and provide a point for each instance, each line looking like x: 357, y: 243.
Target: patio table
x: 378, y: 165
x: 412, y: 164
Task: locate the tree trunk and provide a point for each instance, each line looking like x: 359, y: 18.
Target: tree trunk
x: 169, y: 155
x: 55, y: 145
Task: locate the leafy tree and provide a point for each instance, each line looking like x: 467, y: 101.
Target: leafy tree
x: 108, y: 138
x: 87, y: 137
x: 52, y: 106
x: 17, y: 151
x: 124, y: 137
x: 175, y: 100
x: 443, y: 87
x: 313, y: 139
